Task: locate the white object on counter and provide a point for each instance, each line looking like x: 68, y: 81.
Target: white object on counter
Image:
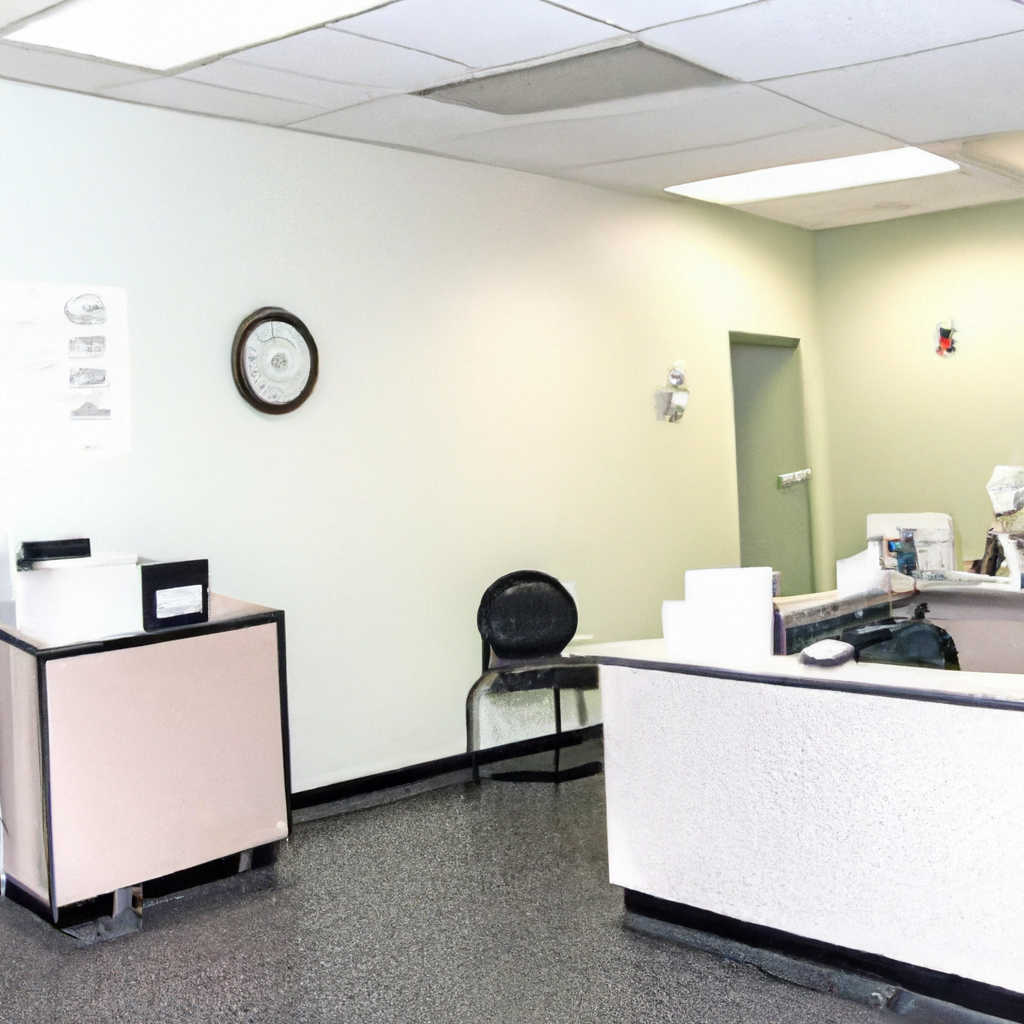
x: 727, y: 614
x: 74, y: 600
x: 827, y: 653
x: 860, y: 574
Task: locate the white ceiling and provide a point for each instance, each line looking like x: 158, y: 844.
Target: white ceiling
x: 812, y: 80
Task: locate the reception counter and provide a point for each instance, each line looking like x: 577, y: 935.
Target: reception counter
x: 868, y: 816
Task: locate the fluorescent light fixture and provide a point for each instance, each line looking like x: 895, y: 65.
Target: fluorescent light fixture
x: 165, y: 34
x: 817, y: 176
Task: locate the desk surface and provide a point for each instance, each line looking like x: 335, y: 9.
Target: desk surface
x: 982, y: 689
x: 224, y: 611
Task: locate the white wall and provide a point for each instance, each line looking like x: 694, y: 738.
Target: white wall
x: 490, y: 342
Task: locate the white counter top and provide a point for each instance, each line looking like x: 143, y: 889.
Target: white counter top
x: 897, y: 680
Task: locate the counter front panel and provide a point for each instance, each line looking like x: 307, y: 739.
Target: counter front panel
x: 889, y: 825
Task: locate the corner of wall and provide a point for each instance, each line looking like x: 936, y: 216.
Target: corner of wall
x: 818, y: 446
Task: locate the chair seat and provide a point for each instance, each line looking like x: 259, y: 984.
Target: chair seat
x: 513, y: 678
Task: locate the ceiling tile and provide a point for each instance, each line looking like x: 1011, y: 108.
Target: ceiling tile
x: 791, y: 37
x: 208, y: 99
x: 686, y: 120
x: 14, y: 10
x: 968, y: 187
x: 341, y: 57
x: 634, y: 15
x: 63, y: 71
x: 403, y: 121
x: 316, y: 92
x: 480, y: 34
x: 655, y: 173
x: 972, y: 89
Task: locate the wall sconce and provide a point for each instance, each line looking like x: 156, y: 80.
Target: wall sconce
x: 670, y: 402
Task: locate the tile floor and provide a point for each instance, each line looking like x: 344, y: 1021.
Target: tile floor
x: 471, y: 903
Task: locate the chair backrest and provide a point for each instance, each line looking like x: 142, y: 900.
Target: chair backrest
x: 526, y: 614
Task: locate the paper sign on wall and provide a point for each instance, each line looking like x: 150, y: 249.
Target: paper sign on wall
x: 66, y: 384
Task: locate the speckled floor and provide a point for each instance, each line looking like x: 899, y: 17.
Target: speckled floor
x: 465, y: 904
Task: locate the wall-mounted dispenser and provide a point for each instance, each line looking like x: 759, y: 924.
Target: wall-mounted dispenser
x: 670, y: 402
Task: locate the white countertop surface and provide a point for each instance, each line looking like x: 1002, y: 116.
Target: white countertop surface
x: 1000, y: 686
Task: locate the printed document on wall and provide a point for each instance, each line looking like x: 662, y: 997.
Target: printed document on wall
x: 66, y: 385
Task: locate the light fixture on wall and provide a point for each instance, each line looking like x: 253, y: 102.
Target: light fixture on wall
x: 670, y: 402
x: 946, y: 344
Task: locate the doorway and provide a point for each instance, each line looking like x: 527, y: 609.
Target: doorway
x: 768, y: 403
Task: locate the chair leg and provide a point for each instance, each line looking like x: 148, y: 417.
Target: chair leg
x: 558, y: 727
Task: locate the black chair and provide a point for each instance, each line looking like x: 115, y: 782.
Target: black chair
x: 525, y: 620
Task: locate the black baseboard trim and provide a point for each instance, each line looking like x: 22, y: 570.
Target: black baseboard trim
x: 581, y: 771
x: 442, y: 766
x: 17, y: 893
x: 950, y: 988
x: 72, y: 914
x: 204, y: 874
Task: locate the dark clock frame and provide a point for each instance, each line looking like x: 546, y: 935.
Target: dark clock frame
x: 245, y: 328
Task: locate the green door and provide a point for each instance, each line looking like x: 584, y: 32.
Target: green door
x: 775, y: 521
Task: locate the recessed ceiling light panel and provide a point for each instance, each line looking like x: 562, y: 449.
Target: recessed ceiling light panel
x: 817, y: 176
x: 165, y: 34
x: 611, y: 74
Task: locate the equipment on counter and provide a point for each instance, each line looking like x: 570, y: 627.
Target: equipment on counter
x: 913, y: 641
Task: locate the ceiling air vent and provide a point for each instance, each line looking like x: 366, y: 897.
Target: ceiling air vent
x: 612, y: 74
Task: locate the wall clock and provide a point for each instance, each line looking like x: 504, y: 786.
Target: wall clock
x: 274, y: 360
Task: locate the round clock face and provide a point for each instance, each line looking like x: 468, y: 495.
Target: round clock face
x: 274, y: 360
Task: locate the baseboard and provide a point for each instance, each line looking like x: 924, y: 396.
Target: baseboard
x: 442, y: 766
x: 974, y: 996
x: 18, y: 893
x: 70, y: 915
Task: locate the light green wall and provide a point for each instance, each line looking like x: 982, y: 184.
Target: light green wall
x: 909, y: 430
x: 490, y: 345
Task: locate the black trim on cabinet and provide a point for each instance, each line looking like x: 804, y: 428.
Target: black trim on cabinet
x: 951, y: 988
x: 442, y: 766
x: 44, y: 767
x: 203, y: 874
x: 72, y: 914
x: 118, y: 643
x: 16, y: 641
x: 282, y: 680
x: 216, y: 870
x: 17, y: 893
